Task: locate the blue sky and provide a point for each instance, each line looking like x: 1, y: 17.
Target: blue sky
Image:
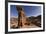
x: 29, y: 10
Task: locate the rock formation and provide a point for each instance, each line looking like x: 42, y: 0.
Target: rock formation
x: 21, y: 16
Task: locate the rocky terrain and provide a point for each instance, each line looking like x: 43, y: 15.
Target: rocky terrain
x: 33, y: 22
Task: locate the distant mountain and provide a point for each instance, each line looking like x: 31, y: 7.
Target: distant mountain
x: 13, y: 19
x: 35, y: 20
x: 39, y: 17
x: 32, y: 17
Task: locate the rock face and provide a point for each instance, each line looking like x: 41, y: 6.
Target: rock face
x: 21, y: 16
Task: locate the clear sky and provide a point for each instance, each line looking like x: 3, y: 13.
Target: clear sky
x: 29, y: 10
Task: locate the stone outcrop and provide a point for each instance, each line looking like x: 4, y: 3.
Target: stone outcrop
x: 21, y: 16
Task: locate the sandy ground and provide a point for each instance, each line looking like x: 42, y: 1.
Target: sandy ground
x: 30, y: 26
x: 27, y: 26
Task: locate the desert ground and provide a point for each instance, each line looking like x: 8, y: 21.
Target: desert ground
x: 33, y: 22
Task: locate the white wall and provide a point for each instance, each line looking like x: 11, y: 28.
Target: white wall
x: 2, y: 17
